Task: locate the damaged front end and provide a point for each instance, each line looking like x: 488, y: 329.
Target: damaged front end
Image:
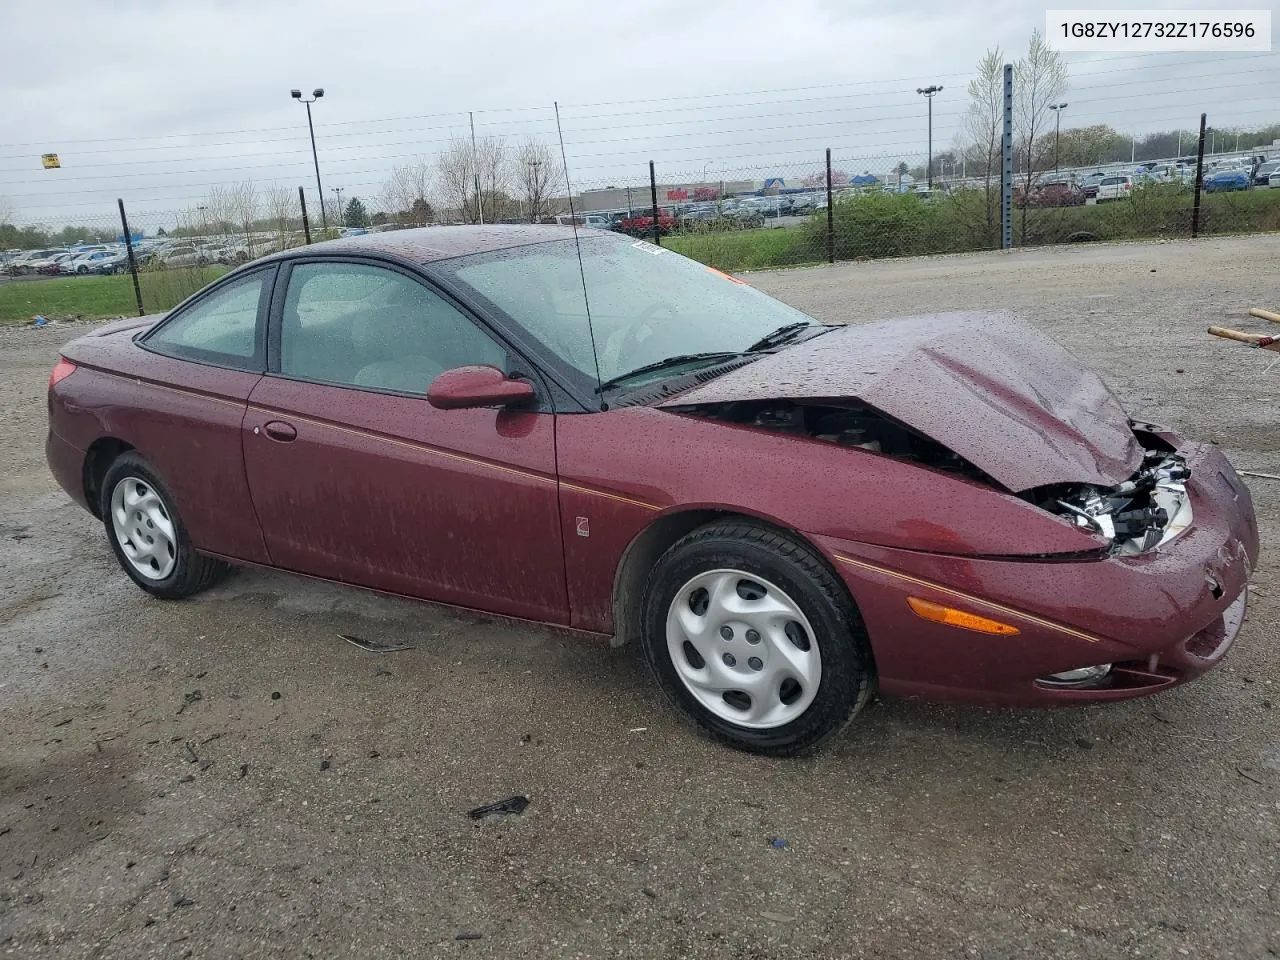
x: 1147, y: 510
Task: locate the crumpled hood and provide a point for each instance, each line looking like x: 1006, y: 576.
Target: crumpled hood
x: 1003, y: 396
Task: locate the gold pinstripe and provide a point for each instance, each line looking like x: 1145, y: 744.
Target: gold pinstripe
x: 608, y: 496
x: 968, y: 597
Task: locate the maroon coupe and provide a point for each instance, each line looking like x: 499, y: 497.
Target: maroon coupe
x: 606, y: 436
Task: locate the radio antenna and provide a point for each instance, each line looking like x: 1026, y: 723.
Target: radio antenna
x: 577, y: 245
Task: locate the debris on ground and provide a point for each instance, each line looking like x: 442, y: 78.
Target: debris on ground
x: 777, y: 843
x: 275, y: 694
x: 374, y: 646
x: 513, y: 805
x: 1256, y: 473
x: 244, y: 771
x: 469, y: 936
x: 195, y: 696
x: 189, y: 752
x: 1244, y: 772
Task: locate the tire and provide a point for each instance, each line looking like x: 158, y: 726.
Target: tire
x: 809, y: 664
x: 137, y: 506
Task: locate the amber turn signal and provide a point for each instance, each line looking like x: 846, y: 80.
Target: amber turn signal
x: 928, y: 610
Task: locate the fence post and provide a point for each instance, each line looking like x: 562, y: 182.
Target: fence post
x: 133, y: 261
x: 1006, y: 164
x: 653, y: 199
x: 306, y: 224
x: 1195, y: 209
x: 831, y: 232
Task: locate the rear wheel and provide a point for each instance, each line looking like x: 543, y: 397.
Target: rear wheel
x: 147, y: 535
x: 752, y: 637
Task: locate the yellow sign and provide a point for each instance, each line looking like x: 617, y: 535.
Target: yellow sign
x: 50, y: 160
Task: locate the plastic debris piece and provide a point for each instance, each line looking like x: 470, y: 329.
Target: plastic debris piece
x: 514, y: 805
x: 39, y: 321
x: 275, y: 695
x: 374, y: 646
x: 188, y: 699
x: 778, y: 843
x: 469, y: 935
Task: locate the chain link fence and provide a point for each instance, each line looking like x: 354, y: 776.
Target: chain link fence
x: 782, y: 206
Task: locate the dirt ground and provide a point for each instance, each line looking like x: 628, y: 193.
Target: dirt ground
x: 224, y: 777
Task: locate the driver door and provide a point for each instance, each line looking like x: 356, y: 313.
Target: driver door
x: 356, y: 478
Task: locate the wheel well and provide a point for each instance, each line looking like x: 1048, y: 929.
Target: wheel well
x: 652, y: 542
x: 97, y: 461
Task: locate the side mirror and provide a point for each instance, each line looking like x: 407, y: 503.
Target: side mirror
x: 479, y: 386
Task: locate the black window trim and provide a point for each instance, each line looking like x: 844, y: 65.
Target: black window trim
x: 208, y: 358
x: 544, y: 402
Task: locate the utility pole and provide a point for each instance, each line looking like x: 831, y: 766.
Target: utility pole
x: 475, y: 167
x: 1057, y: 109
x: 928, y: 93
x: 341, y: 217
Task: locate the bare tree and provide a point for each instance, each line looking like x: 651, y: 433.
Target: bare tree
x: 455, y: 172
x: 983, y: 124
x: 539, y: 179
x: 281, y: 205
x: 6, y: 210
x: 474, y: 179
x: 245, y: 210
x: 1040, y: 79
x: 407, y: 185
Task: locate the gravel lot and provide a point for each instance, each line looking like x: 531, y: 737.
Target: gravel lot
x: 324, y: 812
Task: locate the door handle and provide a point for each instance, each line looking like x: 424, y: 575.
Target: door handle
x: 279, y: 430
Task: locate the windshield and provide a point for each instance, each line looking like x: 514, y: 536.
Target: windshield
x: 647, y: 303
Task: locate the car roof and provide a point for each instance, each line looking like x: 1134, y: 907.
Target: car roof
x: 429, y: 244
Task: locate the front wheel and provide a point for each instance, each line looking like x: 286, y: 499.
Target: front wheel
x: 147, y: 535
x: 753, y: 638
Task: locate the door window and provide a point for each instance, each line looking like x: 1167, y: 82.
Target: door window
x: 220, y: 328
x: 364, y: 326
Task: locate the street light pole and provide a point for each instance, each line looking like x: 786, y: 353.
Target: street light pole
x: 928, y: 93
x: 316, y: 94
x: 339, y: 215
x: 1057, y: 109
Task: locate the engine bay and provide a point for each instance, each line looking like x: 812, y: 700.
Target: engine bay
x: 847, y: 424
x: 1150, y: 508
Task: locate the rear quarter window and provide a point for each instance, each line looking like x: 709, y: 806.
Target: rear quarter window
x: 223, y: 328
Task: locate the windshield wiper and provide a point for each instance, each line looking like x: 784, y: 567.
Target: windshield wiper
x: 780, y: 336
x: 664, y: 363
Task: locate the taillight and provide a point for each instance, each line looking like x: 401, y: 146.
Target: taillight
x: 61, y: 370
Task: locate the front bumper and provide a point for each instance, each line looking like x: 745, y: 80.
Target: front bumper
x: 1161, y: 618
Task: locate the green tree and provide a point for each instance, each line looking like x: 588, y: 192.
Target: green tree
x: 355, y: 214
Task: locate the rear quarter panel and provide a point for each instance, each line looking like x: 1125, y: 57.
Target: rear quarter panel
x: 183, y: 417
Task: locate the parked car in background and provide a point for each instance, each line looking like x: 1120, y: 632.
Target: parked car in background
x: 641, y: 224
x: 1225, y: 181
x: 1262, y: 175
x: 1057, y: 193
x: 1089, y: 185
x: 28, y: 262
x: 53, y: 266
x: 1114, y: 187
x: 101, y: 262
x: 184, y: 255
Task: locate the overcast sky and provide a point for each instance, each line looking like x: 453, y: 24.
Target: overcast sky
x: 155, y: 101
